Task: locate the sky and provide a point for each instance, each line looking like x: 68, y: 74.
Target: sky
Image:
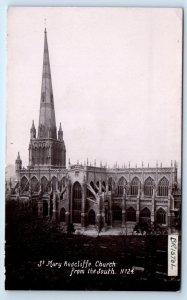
x: 117, y: 81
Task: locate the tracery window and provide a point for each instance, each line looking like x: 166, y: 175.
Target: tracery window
x: 24, y: 184
x: 121, y: 184
x: 148, y: 187
x: 163, y: 187
x: 44, y: 184
x: 34, y: 184
x: 134, y: 186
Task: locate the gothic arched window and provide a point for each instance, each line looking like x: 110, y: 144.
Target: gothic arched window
x: 24, y: 184
x: 76, y: 203
x: 163, y: 187
x: 121, y: 184
x: 54, y: 183
x: 148, y: 187
x: 161, y: 216
x: 134, y: 186
x: 44, y: 184
x: 34, y: 184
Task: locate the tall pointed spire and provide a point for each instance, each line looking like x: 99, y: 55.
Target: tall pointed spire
x: 47, y: 122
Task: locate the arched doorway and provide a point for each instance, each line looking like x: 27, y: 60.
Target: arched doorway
x: 161, y: 216
x: 131, y: 214
x: 145, y: 215
x: 62, y: 215
x: 116, y: 215
x: 91, y: 217
x: 76, y: 203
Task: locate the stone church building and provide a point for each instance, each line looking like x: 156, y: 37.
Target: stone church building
x: 87, y: 194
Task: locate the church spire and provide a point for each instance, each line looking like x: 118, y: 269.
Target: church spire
x: 47, y: 122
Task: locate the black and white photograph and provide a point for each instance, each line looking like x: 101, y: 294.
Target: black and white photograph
x: 93, y: 149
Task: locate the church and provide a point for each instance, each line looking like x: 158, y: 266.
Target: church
x: 88, y: 195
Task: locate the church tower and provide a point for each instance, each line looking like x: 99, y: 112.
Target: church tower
x: 45, y: 149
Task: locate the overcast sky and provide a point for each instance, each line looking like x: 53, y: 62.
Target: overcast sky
x: 116, y: 75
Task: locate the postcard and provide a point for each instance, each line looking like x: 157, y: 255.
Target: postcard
x: 93, y: 155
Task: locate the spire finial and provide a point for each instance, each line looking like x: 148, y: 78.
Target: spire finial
x: 18, y: 159
x: 45, y: 31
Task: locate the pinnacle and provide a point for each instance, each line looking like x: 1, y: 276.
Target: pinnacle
x: 33, y: 126
x: 18, y: 157
x: 60, y: 127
